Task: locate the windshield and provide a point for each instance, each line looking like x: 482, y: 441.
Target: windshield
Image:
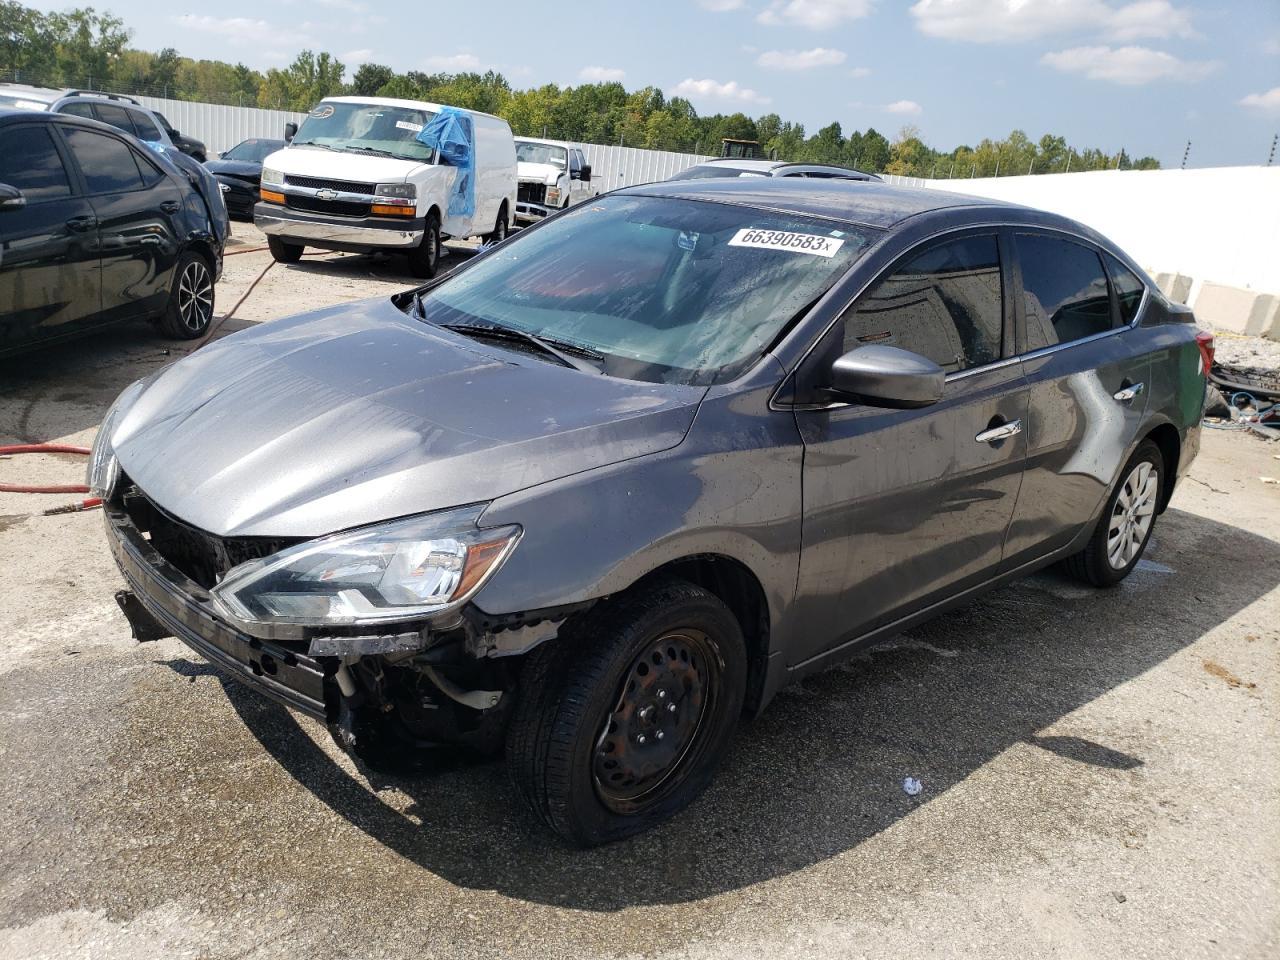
x: 366, y: 127
x: 714, y: 170
x: 542, y: 153
x: 663, y: 290
x: 253, y: 151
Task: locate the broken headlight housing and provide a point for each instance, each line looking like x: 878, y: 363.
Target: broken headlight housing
x: 403, y: 570
x: 104, y: 469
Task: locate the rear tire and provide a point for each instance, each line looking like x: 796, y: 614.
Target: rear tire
x: 189, y: 311
x: 283, y: 252
x: 1125, y: 527
x: 424, y: 259
x: 620, y: 722
x: 500, y: 229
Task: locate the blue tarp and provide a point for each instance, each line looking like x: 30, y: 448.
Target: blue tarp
x: 450, y: 132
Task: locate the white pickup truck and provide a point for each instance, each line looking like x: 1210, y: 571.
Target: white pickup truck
x: 552, y: 175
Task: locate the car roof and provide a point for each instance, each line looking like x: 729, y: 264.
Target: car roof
x: 550, y: 143
x: 870, y: 202
x: 755, y: 166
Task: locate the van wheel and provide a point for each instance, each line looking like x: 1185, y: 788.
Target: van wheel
x: 1125, y: 528
x: 620, y: 722
x: 282, y: 252
x: 424, y: 259
x: 189, y: 311
x: 500, y: 229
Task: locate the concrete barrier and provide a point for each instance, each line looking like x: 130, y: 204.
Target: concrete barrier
x: 1175, y: 286
x: 1237, y: 311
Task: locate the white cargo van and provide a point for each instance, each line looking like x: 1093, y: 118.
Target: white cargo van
x: 372, y: 173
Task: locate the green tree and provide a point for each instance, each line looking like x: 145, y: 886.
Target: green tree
x: 299, y: 86
x: 370, y: 78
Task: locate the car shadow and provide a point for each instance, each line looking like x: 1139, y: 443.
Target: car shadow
x: 822, y: 770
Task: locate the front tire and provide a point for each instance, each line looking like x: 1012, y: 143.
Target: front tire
x: 189, y: 311
x: 424, y: 259
x: 622, y: 720
x: 1124, y: 529
x: 283, y: 252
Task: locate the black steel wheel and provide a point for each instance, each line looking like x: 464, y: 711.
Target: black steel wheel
x: 191, y: 299
x: 621, y: 721
x: 500, y: 228
x: 424, y: 259
x: 282, y: 252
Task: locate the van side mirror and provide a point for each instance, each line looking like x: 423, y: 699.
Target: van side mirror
x: 290, y: 131
x: 884, y: 376
x: 11, y: 198
x: 584, y: 173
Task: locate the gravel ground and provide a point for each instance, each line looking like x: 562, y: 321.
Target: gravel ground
x: 1101, y: 770
x: 1251, y: 355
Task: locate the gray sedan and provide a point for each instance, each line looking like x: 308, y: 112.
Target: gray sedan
x: 614, y: 482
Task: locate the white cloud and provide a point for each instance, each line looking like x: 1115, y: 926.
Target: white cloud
x: 353, y: 58
x: 601, y: 74
x: 455, y: 63
x: 859, y: 72
x: 1269, y: 101
x: 1127, y: 65
x: 720, y: 6
x: 1003, y: 21
x: 800, y: 59
x: 1272, y: 46
x: 714, y: 90
x: 906, y: 108
x: 814, y: 14
x: 236, y: 29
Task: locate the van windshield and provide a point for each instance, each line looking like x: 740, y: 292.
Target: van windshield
x: 368, y: 128
x: 654, y: 288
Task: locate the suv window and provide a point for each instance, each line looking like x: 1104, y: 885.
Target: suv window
x: 31, y: 162
x: 1064, y: 290
x: 144, y: 126
x: 945, y: 303
x: 118, y: 117
x: 1129, y: 289
x: 107, y: 163
x: 78, y: 108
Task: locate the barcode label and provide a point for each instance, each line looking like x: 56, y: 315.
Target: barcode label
x: 809, y: 243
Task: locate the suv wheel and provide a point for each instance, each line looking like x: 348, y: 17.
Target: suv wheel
x: 424, y: 259
x: 1125, y: 528
x: 282, y: 252
x: 621, y: 721
x: 190, y: 308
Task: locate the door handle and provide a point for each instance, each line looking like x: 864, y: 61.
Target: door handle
x: 1002, y: 432
x: 170, y: 206
x: 1125, y: 394
x: 81, y: 224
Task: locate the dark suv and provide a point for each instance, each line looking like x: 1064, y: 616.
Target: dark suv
x: 96, y: 228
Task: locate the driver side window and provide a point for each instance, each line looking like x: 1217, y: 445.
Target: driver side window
x: 945, y: 303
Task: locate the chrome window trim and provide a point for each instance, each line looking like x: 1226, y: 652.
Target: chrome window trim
x: 996, y: 364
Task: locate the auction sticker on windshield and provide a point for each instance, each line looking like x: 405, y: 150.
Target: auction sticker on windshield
x: 810, y: 243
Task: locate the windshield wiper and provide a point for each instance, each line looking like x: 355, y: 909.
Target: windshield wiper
x: 381, y: 153
x: 494, y: 332
x: 310, y: 143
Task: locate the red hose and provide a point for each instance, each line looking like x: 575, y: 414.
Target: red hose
x: 43, y: 448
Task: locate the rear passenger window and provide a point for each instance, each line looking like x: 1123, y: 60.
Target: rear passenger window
x: 946, y: 304
x: 30, y: 162
x: 79, y: 108
x: 1129, y: 289
x: 144, y: 126
x: 107, y: 163
x: 118, y: 117
x: 1064, y: 291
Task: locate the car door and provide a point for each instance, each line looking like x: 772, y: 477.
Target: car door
x: 138, y: 207
x: 50, y: 284
x: 905, y: 507
x: 1088, y: 386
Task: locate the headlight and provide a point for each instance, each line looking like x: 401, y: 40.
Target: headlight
x: 553, y: 196
x: 272, y: 176
x: 103, y: 469
x: 402, y: 570
x: 395, y: 191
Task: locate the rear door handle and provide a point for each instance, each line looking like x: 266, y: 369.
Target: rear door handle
x: 81, y: 224
x: 1002, y: 432
x: 1125, y: 394
x: 170, y: 206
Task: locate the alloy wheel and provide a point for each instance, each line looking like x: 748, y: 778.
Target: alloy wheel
x: 1132, y: 515
x: 195, y: 296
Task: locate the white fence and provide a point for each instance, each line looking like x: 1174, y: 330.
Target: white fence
x: 613, y: 167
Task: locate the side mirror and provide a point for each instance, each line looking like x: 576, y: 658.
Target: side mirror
x: 884, y: 376
x: 290, y: 131
x: 584, y: 173
x: 11, y: 198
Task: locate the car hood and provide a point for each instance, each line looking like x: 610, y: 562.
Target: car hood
x: 243, y: 169
x: 341, y: 165
x: 540, y: 172
x: 357, y: 414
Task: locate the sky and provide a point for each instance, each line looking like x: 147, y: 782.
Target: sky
x: 1143, y: 75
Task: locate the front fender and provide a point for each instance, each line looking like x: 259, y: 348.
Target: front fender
x: 731, y: 489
